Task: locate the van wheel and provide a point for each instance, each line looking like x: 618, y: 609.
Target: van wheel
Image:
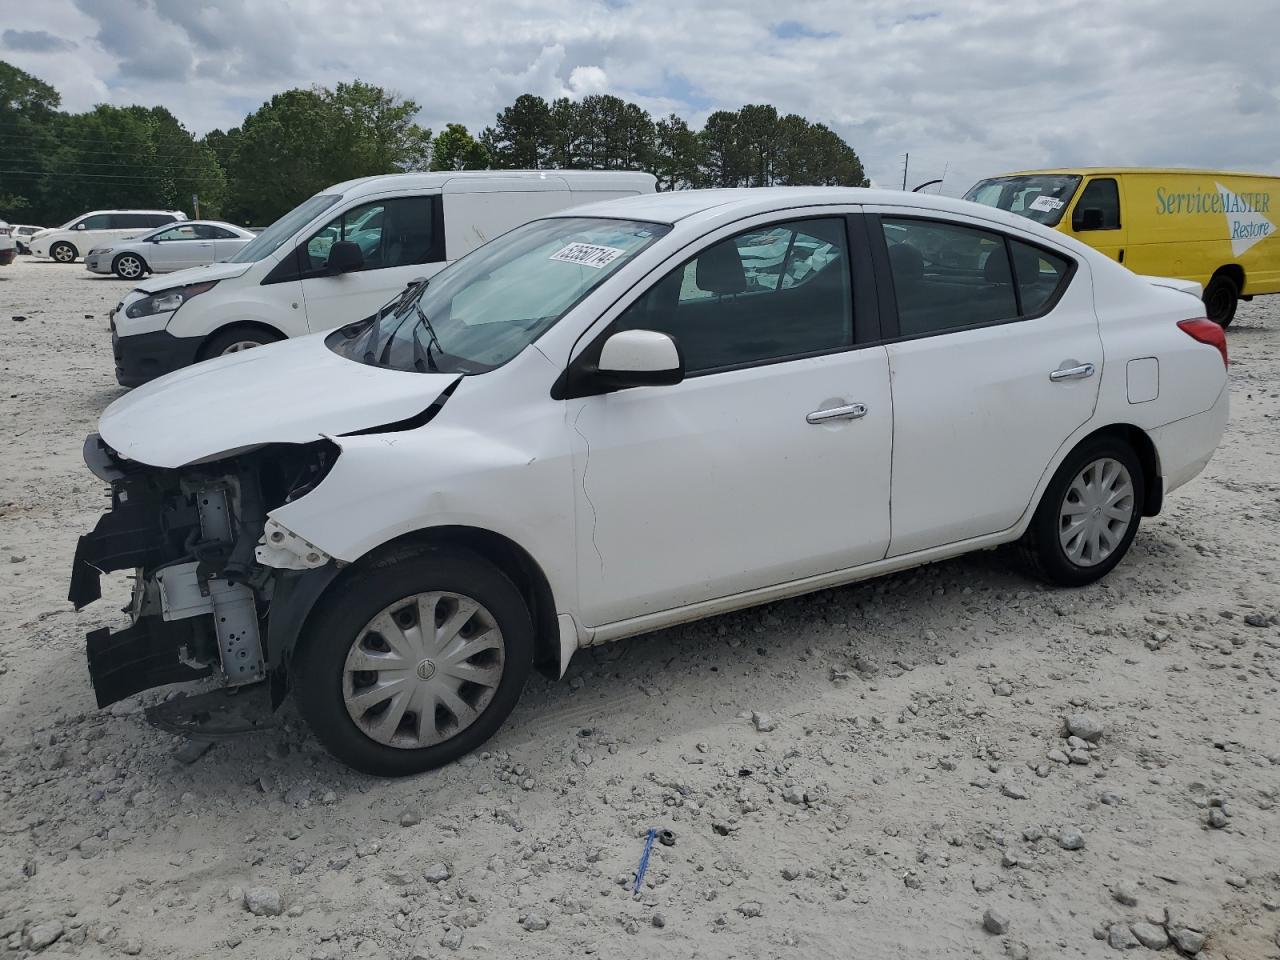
x: 63, y: 252
x: 1088, y: 516
x: 236, y: 340
x: 413, y: 661
x: 128, y: 266
x: 1221, y: 297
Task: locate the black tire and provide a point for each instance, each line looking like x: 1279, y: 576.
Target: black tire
x: 318, y: 662
x: 1041, y: 549
x: 120, y: 266
x: 225, y: 340
x: 1221, y: 297
x: 63, y: 252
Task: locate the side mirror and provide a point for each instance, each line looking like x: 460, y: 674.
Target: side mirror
x: 80, y: 226
x: 638, y: 358
x: 1090, y: 218
x: 345, y: 256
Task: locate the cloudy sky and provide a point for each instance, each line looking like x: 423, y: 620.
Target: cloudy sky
x: 972, y: 87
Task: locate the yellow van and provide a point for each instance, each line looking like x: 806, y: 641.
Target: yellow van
x: 1219, y: 229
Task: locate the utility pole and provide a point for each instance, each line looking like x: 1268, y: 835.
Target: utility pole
x: 195, y: 204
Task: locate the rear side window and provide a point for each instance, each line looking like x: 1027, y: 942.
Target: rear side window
x: 1101, y: 195
x: 766, y: 295
x: 157, y: 219
x: 948, y: 276
x: 1040, y: 276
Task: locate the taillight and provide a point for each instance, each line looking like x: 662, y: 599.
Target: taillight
x: 1206, y: 331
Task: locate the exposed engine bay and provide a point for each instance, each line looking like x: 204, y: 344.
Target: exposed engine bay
x: 208, y: 566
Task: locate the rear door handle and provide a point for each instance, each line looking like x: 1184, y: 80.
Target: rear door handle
x: 852, y: 411
x: 1081, y: 372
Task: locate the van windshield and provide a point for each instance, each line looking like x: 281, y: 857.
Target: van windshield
x: 270, y: 239
x: 482, y: 310
x: 1042, y: 197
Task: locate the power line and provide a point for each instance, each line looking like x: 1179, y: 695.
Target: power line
x: 107, y: 176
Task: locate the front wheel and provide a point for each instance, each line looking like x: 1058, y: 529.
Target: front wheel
x: 237, y: 340
x: 1088, y: 516
x: 413, y: 661
x: 63, y: 252
x: 128, y: 266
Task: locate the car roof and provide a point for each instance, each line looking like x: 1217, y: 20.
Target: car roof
x: 737, y: 202
x: 427, y: 180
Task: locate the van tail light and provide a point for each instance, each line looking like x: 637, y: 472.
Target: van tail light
x: 1206, y: 331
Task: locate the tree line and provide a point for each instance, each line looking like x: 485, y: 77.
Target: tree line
x: 55, y: 165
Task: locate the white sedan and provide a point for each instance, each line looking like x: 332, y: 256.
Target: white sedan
x: 627, y: 416
x: 176, y: 246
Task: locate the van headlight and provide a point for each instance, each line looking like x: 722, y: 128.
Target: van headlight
x: 166, y: 301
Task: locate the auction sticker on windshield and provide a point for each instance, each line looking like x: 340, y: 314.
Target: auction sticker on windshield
x: 1046, y: 203
x: 587, y: 254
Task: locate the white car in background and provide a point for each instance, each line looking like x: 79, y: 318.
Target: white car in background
x: 8, y: 245
x: 607, y: 422
x: 22, y: 234
x: 75, y: 238
x: 187, y: 243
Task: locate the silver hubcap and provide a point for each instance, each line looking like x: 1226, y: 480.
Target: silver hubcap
x: 130, y: 267
x: 240, y: 345
x: 1096, y: 512
x: 63, y: 255
x: 423, y: 670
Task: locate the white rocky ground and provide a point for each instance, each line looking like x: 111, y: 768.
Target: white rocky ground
x: 901, y: 792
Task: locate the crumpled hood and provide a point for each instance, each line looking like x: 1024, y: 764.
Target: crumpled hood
x: 294, y: 391
x: 213, y: 271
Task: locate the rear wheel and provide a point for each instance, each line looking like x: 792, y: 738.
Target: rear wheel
x: 63, y: 252
x: 128, y: 266
x: 413, y: 661
x: 1088, y: 516
x: 1221, y: 297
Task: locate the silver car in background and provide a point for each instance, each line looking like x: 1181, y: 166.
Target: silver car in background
x: 175, y: 246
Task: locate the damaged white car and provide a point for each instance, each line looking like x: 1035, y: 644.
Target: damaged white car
x: 623, y: 417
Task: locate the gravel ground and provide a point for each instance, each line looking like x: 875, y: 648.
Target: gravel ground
x: 904, y: 789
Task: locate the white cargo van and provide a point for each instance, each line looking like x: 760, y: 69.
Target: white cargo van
x: 337, y: 258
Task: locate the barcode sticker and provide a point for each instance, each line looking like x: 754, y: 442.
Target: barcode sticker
x: 1045, y: 203
x: 587, y: 254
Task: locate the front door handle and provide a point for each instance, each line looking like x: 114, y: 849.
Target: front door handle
x: 1082, y: 371
x: 852, y: 411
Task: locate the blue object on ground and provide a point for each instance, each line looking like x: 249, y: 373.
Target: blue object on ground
x: 644, y: 860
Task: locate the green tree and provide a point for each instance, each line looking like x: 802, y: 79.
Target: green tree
x: 28, y: 113
x: 129, y: 157
x: 677, y: 155
x: 756, y: 134
x: 723, y: 161
x: 520, y: 138
x: 456, y: 149
x: 301, y: 141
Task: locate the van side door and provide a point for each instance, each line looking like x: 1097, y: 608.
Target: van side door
x: 1098, y: 217
x: 399, y: 239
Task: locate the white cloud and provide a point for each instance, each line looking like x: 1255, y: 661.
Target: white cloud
x: 975, y: 86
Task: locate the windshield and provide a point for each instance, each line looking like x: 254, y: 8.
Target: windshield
x: 481, y: 311
x: 1040, y: 197
x: 270, y: 239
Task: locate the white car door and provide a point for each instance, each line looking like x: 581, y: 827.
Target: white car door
x: 399, y: 240
x: 93, y: 231
x: 769, y: 463
x: 997, y: 360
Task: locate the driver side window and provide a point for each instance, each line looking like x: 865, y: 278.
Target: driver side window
x: 768, y: 294
x: 390, y: 233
